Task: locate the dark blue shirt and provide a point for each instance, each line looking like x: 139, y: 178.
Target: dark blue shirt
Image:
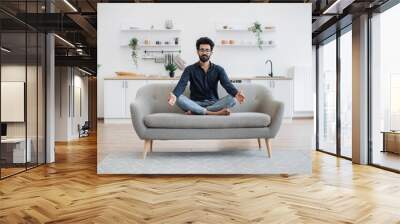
x: 204, y: 86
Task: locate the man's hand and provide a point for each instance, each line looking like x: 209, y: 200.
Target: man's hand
x: 171, y: 99
x: 240, y: 97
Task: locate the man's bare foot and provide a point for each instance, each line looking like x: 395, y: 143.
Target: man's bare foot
x: 224, y: 111
x: 188, y: 112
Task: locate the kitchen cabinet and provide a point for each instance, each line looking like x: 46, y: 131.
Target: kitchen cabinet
x: 162, y: 81
x: 114, y: 98
x: 118, y: 95
x: 304, y: 89
x: 131, y: 86
x: 281, y: 90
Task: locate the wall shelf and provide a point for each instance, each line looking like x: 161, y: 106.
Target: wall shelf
x: 150, y: 30
x: 153, y: 45
x: 270, y: 29
x: 162, y: 45
x: 245, y: 45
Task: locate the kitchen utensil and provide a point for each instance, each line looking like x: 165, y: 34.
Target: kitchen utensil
x: 169, y: 24
x: 180, y: 63
x: 159, y: 60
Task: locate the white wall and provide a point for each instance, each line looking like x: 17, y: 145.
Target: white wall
x: 34, y: 124
x: 61, y: 103
x: 66, y: 120
x: 16, y: 72
x: 292, y: 36
x: 80, y: 83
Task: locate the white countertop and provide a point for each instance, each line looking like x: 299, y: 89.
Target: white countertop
x: 155, y: 77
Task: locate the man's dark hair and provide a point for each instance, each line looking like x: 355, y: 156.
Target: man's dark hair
x: 204, y: 40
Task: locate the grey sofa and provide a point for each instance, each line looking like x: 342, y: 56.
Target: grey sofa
x: 259, y: 117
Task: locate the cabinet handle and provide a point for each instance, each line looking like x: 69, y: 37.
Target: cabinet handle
x: 126, y: 83
x: 123, y: 83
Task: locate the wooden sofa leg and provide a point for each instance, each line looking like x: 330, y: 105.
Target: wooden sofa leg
x: 259, y: 143
x: 147, y: 147
x: 269, y: 150
x: 151, y: 145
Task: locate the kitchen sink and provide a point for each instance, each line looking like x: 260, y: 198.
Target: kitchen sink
x: 266, y: 76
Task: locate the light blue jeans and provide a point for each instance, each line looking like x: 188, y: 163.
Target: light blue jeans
x: 201, y: 107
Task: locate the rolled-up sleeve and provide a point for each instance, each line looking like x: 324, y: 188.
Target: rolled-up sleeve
x: 181, y: 86
x: 226, y: 83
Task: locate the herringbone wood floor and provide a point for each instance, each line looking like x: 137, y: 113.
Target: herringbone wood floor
x: 70, y: 191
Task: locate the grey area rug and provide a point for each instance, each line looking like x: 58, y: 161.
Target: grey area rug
x: 221, y: 162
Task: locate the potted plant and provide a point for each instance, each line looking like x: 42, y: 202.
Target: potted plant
x: 257, y: 30
x: 133, y: 46
x: 171, y: 67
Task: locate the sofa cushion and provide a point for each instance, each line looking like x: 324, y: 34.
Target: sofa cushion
x: 234, y: 120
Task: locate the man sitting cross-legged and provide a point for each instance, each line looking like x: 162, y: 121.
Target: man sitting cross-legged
x: 204, y: 76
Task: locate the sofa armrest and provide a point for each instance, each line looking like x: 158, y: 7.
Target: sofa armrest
x: 139, y: 109
x: 275, y: 110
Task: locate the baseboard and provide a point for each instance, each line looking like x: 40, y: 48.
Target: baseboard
x: 303, y: 114
x: 117, y: 121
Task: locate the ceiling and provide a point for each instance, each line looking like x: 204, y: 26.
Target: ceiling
x: 77, y: 22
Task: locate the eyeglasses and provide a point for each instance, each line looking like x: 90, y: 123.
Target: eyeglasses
x: 205, y: 50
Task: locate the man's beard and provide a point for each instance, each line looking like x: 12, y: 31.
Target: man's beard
x: 204, y: 58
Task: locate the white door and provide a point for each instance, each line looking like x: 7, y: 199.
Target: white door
x: 283, y: 91
x: 114, y: 98
x: 131, y: 86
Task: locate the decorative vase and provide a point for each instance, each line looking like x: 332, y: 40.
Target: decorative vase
x: 171, y: 74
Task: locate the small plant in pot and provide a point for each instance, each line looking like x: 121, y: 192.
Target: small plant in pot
x: 257, y: 30
x: 171, y: 67
x: 133, y: 46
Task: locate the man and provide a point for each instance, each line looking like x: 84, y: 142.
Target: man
x: 204, y: 76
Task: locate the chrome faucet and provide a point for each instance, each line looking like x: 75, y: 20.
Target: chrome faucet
x: 271, y: 74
